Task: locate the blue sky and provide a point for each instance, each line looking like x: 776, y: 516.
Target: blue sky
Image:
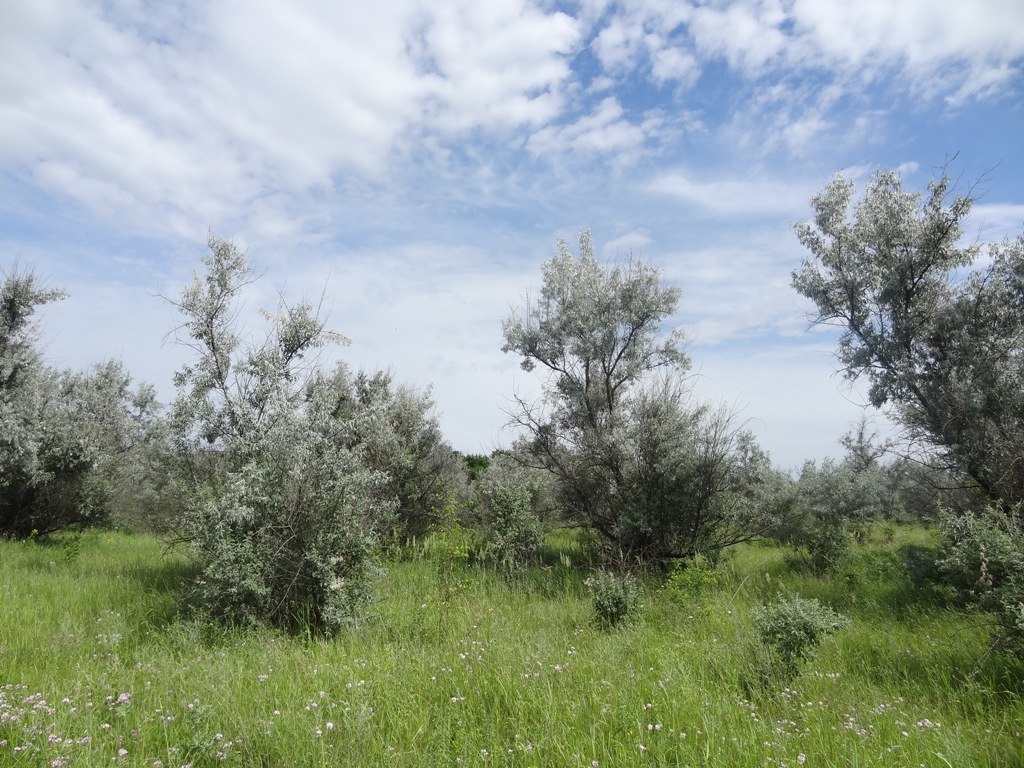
x: 416, y: 161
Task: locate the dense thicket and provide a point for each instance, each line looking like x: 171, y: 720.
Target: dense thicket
x: 295, y: 473
x: 936, y: 327
x: 69, y: 440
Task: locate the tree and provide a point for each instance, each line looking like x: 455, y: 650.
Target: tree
x: 282, y: 512
x: 397, y: 433
x: 66, y: 438
x: 941, y: 346
x: 633, y: 459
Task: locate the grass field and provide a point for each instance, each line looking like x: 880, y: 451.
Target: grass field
x: 98, y: 667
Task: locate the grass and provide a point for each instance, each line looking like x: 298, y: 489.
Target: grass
x: 97, y: 667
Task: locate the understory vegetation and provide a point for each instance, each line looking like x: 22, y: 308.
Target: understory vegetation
x: 101, y: 667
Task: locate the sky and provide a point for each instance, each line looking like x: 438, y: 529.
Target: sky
x: 412, y: 164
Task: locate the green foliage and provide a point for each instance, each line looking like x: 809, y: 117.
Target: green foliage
x: 507, y: 502
x: 422, y: 683
x: 690, y: 580
x: 451, y: 545
x: 476, y: 465
x: 984, y: 559
x: 793, y: 627
x: 943, y: 347
x: 616, y: 596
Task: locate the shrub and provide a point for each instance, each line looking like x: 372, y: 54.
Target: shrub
x: 515, y: 531
x: 64, y: 436
x: 288, y: 540
x: 793, y: 627
x: 690, y: 580
x: 984, y: 561
x: 616, y: 596
x: 825, y: 545
x: 283, y: 507
x: 450, y: 545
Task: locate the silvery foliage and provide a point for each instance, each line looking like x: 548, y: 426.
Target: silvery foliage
x: 940, y: 344
x: 616, y: 597
x: 633, y: 457
x: 794, y: 627
x: 283, y: 509
x: 68, y: 440
x: 839, y: 501
x: 396, y: 430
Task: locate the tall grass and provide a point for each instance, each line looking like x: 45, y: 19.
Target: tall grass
x: 98, y: 666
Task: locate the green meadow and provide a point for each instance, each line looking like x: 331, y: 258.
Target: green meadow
x: 101, y: 665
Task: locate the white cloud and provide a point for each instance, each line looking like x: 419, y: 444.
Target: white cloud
x: 991, y: 222
x: 607, y: 130
x: 761, y: 381
x: 746, y: 34
x: 735, y: 196
x: 922, y: 34
x: 188, y: 117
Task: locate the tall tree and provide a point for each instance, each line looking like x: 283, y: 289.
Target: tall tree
x: 633, y: 459
x: 940, y: 345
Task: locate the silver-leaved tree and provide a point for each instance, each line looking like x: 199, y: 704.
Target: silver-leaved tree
x: 935, y: 326
x: 69, y: 441
x: 283, y: 509
x: 633, y: 457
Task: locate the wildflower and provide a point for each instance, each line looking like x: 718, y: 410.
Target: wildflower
x: 122, y: 752
x: 330, y: 726
x: 801, y: 758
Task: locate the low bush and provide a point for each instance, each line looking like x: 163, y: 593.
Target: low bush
x: 984, y: 561
x: 792, y: 628
x: 616, y: 596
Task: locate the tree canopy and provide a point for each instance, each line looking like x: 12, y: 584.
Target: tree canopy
x: 935, y: 325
